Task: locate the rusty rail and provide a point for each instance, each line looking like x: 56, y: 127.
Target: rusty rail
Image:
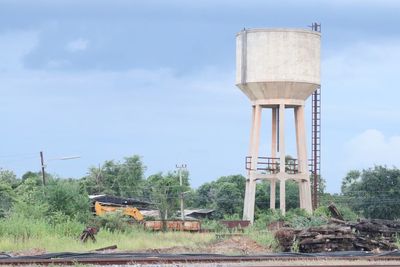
x: 206, y: 258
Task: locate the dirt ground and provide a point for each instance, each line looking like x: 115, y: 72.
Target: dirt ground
x: 236, y: 245
x: 31, y: 252
x: 240, y: 245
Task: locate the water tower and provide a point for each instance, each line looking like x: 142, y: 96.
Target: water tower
x: 277, y: 69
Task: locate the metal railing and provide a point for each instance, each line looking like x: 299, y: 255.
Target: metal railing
x: 272, y: 165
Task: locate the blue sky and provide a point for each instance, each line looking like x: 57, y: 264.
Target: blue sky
x: 109, y: 79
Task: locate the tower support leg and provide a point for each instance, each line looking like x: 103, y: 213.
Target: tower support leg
x: 246, y: 194
x: 250, y: 197
x: 304, y: 184
x: 282, y: 156
x: 282, y: 196
x: 272, y: 199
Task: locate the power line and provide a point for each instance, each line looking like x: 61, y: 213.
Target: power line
x: 16, y: 155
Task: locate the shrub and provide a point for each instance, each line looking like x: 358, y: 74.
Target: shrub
x: 29, y: 210
x: 264, y: 219
x: 22, y: 228
x: 63, y: 225
x: 65, y: 196
x: 322, y: 211
x: 113, y: 222
x: 213, y: 225
x: 299, y: 222
x: 348, y: 214
x: 232, y: 217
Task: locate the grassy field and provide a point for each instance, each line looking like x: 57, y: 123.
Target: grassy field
x: 138, y: 240
x: 262, y: 237
x: 59, y: 233
x: 23, y: 234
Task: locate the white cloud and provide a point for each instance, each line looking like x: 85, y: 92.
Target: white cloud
x: 14, y: 46
x: 360, y: 83
x: 77, y: 45
x: 157, y: 113
x: 372, y: 147
x: 369, y: 64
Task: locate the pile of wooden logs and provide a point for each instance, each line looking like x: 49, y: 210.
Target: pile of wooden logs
x: 286, y: 238
x: 327, y: 238
x: 365, y: 235
x: 375, y: 234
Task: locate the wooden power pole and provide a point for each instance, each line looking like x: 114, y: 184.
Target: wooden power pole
x: 180, y: 167
x: 43, y: 172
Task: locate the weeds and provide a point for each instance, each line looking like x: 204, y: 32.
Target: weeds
x: 263, y: 237
x: 21, y: 228
x: 60, y: 233
x: 130, y: 241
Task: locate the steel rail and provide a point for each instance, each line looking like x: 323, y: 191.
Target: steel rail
x: 195, y: 259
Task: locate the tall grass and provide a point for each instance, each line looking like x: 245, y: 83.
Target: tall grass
x: 263, y: 237
x: 21, y: 228
x: 125, y: 241
x: 22, y: 234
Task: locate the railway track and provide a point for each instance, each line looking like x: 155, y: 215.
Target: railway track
x: 181, y: 259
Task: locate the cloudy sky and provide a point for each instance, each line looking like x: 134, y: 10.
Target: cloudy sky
x: 109, y: 79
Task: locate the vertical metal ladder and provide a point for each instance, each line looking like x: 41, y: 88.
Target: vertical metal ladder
x: 316, y: 144
x: 316, y: 135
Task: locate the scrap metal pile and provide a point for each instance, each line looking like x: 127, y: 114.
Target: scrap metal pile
x: 338, y: 235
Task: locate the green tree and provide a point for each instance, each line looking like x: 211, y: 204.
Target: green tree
x: 31, y: 188
x: 116, y: 178
x: 321, y: 184
x: 263, y: 194
x: 374, y: 192
x: 8, y: 177
x: 30, y: 174
x: 66, y: 196
x: 292, y: 195
x: 131, y: 176
x: 60, y: 197
x: 164, y: 191
x: 8, y: 182
x: 229, y: 199
x: 7, y: 196
x: 225, y: 195
x: 351, y: 181
x: 238, y: 180
x: 203, y: 196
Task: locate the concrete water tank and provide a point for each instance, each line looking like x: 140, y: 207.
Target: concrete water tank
x: 278, y: 63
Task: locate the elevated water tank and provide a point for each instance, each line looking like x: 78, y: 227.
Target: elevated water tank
x: 278, y: 63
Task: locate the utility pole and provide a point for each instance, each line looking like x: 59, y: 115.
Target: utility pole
x: 180, y: 167
x: 43, y: 173
x: 43, y: 166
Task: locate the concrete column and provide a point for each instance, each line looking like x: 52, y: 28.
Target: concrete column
x: 304, y: 186
x: 246, y: 194
x: 282, y: 196
x: 298, y: 148
x: 272, y: 202
x: 282, y: 189
x: 272, y: 199
x: 246, y: 197
x: 251, y: 192
x: 301, y: 139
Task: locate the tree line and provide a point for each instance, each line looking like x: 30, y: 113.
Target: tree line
x: 371, y: 193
